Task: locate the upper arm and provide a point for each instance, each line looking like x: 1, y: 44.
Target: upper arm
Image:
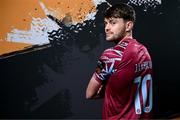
x: 92, y: 88
x: 104, y: 69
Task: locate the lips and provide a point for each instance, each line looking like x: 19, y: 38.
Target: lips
x: 108, y: 33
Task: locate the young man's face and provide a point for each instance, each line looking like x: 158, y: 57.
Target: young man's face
x: 115, y: 29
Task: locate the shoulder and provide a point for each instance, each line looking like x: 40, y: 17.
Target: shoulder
x: 137, y: 48
x: 132, y: 48
x: 112, y: 54
x: 125, y: 49
x: 118, y: 50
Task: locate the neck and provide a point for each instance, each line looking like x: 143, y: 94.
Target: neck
x: 128, y: 35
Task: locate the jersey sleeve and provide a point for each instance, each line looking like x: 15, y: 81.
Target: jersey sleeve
x: 112, y: 60
x: 106, y: 65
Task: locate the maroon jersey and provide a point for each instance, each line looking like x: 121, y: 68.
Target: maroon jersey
x: 126, y: 71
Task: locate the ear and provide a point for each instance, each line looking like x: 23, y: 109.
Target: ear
x: 129, y: 26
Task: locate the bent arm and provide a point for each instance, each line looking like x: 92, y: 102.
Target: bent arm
x: 94, y: 89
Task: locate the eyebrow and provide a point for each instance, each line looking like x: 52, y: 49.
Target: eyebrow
x: 110, y: 20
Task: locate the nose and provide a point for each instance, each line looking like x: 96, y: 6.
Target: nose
x: 107, y: 27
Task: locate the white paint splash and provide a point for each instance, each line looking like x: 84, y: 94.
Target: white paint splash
x: 146, y: 3
x: 38, y: 33
x: 90, y: 16
x: 97, y: 2
x: 46, y: 11
x: 159, y: 1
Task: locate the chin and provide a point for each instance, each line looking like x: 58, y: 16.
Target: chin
x: 109, y: 39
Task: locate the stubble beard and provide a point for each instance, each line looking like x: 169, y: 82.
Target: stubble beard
x: 116, y: 37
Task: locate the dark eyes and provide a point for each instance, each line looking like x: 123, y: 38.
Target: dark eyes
x: 105, y: 23
x: 113, y: 22
x: 110, y: 22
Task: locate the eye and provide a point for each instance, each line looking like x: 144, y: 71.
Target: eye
x: 112, y: 22
x: 105, y: 23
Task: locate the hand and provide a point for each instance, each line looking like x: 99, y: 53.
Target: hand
x: 100, y: 89
x: 100, y: 92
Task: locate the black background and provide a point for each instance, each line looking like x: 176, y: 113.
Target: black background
x: 51, y: 82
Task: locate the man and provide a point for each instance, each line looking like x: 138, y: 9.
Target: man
x: 124, y: 72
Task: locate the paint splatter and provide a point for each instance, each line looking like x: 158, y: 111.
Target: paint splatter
x: 38, y: 33
x: 98, y: 2
x: 146, y: 3
x: 77, y: 9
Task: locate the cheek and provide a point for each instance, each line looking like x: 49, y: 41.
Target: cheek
x: 118, y: 30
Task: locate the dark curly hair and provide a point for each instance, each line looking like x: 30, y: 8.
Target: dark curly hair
x: 121, y: 10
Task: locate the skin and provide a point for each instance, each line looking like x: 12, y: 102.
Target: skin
x: 116, y: 29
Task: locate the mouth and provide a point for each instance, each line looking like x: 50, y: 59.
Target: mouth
x: 108, y: 34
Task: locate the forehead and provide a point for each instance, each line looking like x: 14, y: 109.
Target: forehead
x: 112, y: 19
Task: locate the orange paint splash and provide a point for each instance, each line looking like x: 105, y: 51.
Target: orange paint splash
x: 18, y: 14
x: 77, y: 9
x: 7, y: 47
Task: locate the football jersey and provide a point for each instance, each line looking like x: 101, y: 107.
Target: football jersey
x: 126, y: 72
